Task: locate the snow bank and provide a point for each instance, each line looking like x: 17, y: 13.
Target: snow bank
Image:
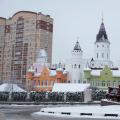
x: 6, y: 87
x: 70, y: 87
x: 83, y: 111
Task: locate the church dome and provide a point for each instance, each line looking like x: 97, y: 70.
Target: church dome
x: 41, y: 55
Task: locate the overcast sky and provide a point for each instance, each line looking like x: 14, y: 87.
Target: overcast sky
x: 72, y: 19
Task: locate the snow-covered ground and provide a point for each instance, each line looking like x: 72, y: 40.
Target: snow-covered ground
x: 82, y: 111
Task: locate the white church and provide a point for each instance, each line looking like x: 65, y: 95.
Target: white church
x: 77, y: 64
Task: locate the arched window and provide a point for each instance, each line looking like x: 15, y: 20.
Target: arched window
x: 75, y: 66
x: 103, y: 83
x: 42, y: 82
x: 102, y: 55
x: 34, y: 82
x: 38, y: 82
x: 108, y: 83
x: 97, y: 55
x: 36, y: 69
x: 107, y: 55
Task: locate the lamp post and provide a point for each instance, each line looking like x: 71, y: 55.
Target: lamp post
x: 11, y: 87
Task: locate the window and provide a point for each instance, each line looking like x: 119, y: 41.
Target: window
x: 114, y: 83
x: 102, y: 45
x: 34, y: 83
x: 36, y: 69
x: 97, y: 46
x: 102, y: 55
x: 78, y: 81
x: 46, y: 82
x: 97, y: 55
x: 75, y: 66
x: 52, y: 83
x: 38, y: 82
x: 79, y: 66
x: 98, y: 83
x: 108, y: 83
x: 103, y: 83
x: 42, y: 82
x: 107, y: 55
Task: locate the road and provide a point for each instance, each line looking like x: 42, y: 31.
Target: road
x: 23, y: 112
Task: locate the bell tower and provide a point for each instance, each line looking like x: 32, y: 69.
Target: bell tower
x: 76, y: 71
x: 102, y: 48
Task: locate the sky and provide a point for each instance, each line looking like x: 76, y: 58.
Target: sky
x: 74, y: 19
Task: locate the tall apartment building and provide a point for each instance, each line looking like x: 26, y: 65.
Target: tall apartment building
x: 2, y: 43
x: 21, y: 36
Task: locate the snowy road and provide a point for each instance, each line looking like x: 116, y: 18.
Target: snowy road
x: 24, y: 113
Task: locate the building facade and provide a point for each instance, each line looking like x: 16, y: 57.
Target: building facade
x: 99, y: 71
x: 2, y: 44
x: 102, y: 50
x: 103, y: 78
x: 21, y: 36
x: 40, y: 77
x: 45, y: 80
x: 75, y: 65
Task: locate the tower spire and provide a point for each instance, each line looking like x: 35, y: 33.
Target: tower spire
x: 102, y: 17
x: 77, y: 38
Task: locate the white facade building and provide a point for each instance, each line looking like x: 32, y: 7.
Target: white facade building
x: 102, y: 50
x: 77, y: 64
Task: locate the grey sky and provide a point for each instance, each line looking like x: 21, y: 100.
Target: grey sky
x: 73, y: 18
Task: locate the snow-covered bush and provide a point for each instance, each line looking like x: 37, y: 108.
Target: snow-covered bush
x: 75, y: 97
x: 19, y: 96
x: 37, y: 96
x: 97, y: 95
x: 56, y: 97
x: 4, y: 96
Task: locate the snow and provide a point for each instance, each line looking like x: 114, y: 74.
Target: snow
x: 87, y: 69
x: 31, y: 69
x: 115, y: 73
x: 65, y: 72
x: 59, y: 69
x: 37, y: 74
x: 6, y: 87
x: 53, y: 72
x: 95, y: 72
x: 75, y: 111
x: 70, y: 87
